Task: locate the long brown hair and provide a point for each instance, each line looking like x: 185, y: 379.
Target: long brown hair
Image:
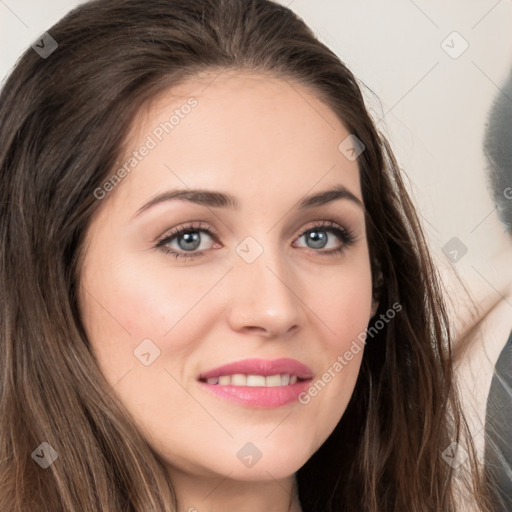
x: 63, y: 120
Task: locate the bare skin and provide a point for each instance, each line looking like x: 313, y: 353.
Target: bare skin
x: 269, y: 144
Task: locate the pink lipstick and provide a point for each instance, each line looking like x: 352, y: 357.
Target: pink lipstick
x: 259, y: 383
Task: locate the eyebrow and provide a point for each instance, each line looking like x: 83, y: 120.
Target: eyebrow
x: 223, y: 200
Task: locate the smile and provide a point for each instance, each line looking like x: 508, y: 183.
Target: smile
x: 258, y: 383
x: 239, y: 379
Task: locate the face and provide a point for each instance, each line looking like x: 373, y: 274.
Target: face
x: 272, y: 283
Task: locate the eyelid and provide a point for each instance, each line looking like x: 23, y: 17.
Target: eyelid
x: 190, y: 226
x: 322, y: 224
x: 175, y: 232
x: 346, y: 235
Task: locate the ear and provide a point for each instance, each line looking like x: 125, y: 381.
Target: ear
x: 377, y: 287
x: 375, y: 306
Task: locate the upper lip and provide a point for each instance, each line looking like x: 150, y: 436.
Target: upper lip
x: 265, y: 367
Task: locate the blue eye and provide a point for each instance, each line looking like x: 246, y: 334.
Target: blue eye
x: 318, y: 237
x: 188, y: 239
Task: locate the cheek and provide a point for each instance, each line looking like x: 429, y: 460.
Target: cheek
x: 123, y: 304
x: 158, y: 299
x: 179, y: 308
x: 131, y: 301
x: 342, y: 300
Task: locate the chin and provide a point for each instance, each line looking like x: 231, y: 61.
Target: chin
x: 268, y: 470
x: 250, y: 465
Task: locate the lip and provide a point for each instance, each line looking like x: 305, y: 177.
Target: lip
x: 259, y: 397
x: 263, y: 367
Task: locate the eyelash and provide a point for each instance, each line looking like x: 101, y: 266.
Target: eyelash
x: 345, y: 235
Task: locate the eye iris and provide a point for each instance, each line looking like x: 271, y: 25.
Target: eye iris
x: 192, y: 238
x: 318, y: 238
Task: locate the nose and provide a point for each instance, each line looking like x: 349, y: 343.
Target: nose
x: 265, y: 299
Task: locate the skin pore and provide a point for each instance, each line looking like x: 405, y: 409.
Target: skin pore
x: 270, y: 144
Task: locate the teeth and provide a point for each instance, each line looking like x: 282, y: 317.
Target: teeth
x: 239, y: 379
x: 225, y: 380
x: 255, y: 380
x: 273, y: 380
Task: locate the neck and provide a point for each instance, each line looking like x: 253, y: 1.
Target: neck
x: 217, y: 494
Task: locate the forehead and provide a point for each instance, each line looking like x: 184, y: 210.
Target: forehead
x: 244, y: 131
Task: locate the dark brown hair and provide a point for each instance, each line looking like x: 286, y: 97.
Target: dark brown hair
x: 63, y: 122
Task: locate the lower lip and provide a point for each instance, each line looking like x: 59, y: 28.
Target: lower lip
x: 259, y: 396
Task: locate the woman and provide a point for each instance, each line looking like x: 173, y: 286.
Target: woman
x: 144, y: 138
